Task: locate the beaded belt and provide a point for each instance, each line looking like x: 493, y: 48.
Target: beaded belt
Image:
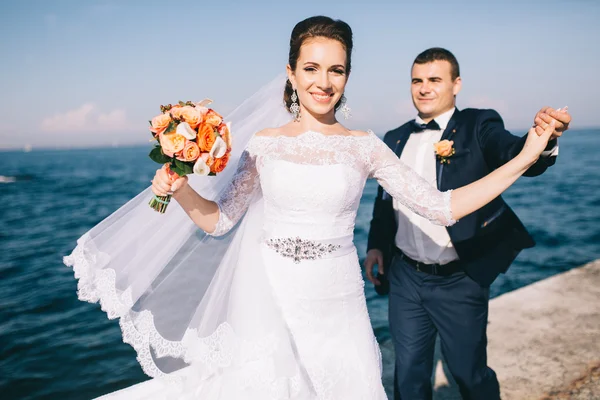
x: 303, y: 249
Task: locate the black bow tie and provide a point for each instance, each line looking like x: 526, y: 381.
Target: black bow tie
x: 431, y: 125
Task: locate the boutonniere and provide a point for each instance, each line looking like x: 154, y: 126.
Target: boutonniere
x: 444, y: 150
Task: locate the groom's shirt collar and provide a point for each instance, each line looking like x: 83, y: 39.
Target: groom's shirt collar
x: 442, y: 119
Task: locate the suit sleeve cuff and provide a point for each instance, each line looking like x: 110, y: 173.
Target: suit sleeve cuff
x: 551, y: 149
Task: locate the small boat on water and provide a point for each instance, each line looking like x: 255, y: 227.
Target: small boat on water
x: 7, y: 179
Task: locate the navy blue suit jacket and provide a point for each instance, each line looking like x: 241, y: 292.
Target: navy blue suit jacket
x: 489, y: 239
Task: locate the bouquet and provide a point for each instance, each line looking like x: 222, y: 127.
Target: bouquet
x: 191, y: 138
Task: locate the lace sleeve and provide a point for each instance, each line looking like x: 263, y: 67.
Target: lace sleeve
x: 235, y: 199
x: 407, y: 187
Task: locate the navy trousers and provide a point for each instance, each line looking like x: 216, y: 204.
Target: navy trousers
x: 456, y: 307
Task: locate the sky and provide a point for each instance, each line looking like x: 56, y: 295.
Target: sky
x: 79, y: 73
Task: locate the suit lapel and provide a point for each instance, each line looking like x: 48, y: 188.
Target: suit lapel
x: 448, y: 134
x: 401, y: 141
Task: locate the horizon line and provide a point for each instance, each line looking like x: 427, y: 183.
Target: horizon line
x: 26, y: 148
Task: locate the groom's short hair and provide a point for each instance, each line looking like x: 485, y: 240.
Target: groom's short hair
x: 439, y: 54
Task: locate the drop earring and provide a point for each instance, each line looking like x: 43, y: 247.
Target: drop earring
x: 344, y: 109
x: 295, y: 107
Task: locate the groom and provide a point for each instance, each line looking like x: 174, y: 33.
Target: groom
x: 439, y: 277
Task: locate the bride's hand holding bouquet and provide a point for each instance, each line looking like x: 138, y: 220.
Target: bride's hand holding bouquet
x: 191, y: 138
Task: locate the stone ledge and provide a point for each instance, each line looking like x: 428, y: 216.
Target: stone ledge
x: 585, y: 388
x: 543, y: 339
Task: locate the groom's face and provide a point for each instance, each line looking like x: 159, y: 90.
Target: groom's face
x: 433, y: 89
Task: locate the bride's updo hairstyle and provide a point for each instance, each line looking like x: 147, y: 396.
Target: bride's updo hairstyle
x: 317, y: 27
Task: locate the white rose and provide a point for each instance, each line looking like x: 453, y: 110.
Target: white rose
x: 184, y: 129
x: 219, y: 148
x: 201, y: 168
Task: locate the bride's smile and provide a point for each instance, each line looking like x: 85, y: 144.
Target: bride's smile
x: 322, y: 97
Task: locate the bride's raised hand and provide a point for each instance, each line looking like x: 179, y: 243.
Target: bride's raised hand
x: 167, y: 182
x: 536, y: 143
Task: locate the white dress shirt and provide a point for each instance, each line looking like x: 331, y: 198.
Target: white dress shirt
x: 418, y: 238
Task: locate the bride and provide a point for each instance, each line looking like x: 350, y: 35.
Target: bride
x: 266, y: 300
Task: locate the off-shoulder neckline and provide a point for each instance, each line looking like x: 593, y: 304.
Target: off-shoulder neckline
x: 309, y: 132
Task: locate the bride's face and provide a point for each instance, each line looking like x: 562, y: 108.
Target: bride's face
x: 320, y: 76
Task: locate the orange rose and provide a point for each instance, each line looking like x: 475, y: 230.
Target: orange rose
x: 160, y: 123
x: 176, y: 111
x: 218, y: 164
x: 206, y: 137
x: 171, y: 143
x: 212, y: 118
x: 444, y: 148
x: 190, y: 152
x: 191, y: 115
x: 225, y: 133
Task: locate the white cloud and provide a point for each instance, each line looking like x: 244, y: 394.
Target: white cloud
x: 87, y: 118
x: 115, y: 119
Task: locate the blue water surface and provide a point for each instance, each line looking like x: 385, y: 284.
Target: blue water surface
x: 53, y: 346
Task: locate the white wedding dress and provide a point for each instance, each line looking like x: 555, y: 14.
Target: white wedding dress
x: 311, y: 186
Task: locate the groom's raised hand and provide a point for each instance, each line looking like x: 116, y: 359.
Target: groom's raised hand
x: 546, y: 115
